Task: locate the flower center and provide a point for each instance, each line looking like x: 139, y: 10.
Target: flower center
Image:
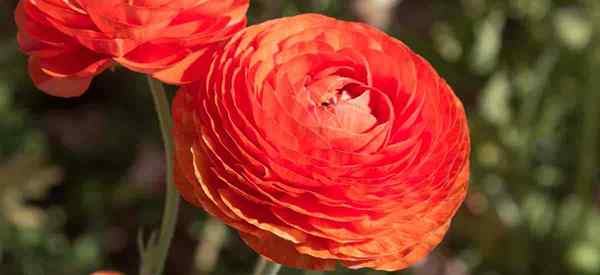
x: 339, y: 106
x: 345, y: 110
x: 333, y: 98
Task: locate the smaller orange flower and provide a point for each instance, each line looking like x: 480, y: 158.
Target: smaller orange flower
x: 71, y: 41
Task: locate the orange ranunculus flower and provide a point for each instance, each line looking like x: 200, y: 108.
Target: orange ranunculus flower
x: 71, y: 41
x: 324, y: 141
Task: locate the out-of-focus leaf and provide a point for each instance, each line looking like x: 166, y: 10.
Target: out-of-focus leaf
x: 488, y: 42
x: 573, y: 28
x: 494, y: 103
x: 539, y: 211
x: 86, y: 250
x: 209, y: 246
x: 474, y: 8
x: 585, y: 257
x: 548, y: 175
x: 532, y: 9
x: 446, y: 43
x: 489, y: 155
x: 25, y: 177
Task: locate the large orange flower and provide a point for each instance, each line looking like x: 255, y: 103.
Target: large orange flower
x: 70, y: 41
x: 324, y: 141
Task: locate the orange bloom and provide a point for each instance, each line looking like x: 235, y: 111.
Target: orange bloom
x: 324, y: 141
x: 71, y: 41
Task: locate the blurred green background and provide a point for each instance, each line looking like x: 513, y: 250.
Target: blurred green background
x: 80, y: 178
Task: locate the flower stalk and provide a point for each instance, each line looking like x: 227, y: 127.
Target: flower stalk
x: 266, y: 267
x: 153, y: 261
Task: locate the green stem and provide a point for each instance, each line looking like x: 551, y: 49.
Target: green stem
x: 169, y: 219
x: 266, y: 267
x: 588, y: 143
x: 588, y: 139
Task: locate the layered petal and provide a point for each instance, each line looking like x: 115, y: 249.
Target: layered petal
x: 324, y: 142
x: 172, y: 40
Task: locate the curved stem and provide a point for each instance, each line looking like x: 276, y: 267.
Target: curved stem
x: 266, y: 267
x: 169, y: 219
